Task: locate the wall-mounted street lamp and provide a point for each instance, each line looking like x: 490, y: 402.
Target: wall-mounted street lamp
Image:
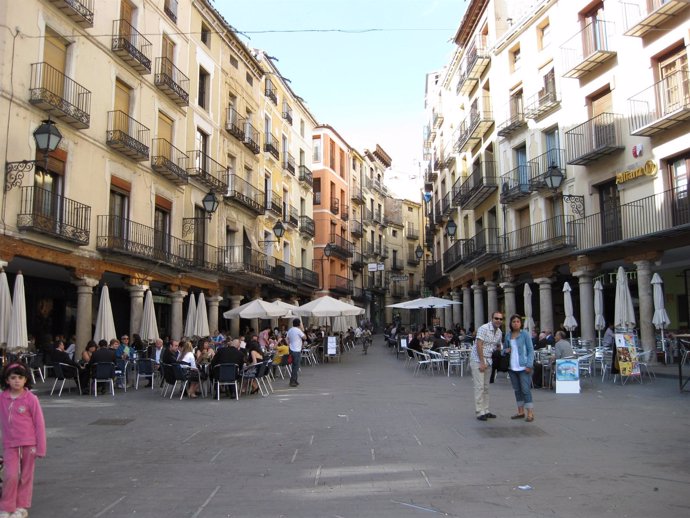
x: 327, y: 251
x: 210, y: 205
x: 47, y: 137
x: 419, y: 252
x: 279, y: 230
x: 553, y: 179
x: 451, y: 228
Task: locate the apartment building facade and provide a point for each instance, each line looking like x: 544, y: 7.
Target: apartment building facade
x: 588, y: 137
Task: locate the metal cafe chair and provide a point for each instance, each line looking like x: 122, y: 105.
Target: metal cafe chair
x: 103, y: 373
x: 63, y: 372
x: 226, y: 375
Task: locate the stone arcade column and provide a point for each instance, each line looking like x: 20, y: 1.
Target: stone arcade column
x: 545, y: 303
x: 177, y: 319
x: 584, y: 278
x: 85, y: 288
x: 509, y: 297
x: 213, y: 302
x: 492, y: 296
x: 478, y: 306
x: 466, y: 307
x: 645, y: 294
x: 457, y: 308
x: 448, y: 314
x: 235, y: 322
x: 136, y: 307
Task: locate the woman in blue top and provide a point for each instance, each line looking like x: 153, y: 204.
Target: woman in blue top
x: 518, y: 344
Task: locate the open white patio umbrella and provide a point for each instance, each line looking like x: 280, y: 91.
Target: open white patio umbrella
x: 527, y: 295
x: 5, y: 307
x: 191, y: 317
x: 18, y: 335
x: 624, y: 315
x: 599, y: 321
x: 569, y: 324
x: 201, y: 323
x: 105, y: 324
x: 149, y: 326
x: 328, y: 307
x: 424, y: 303
x: 258, y: 308
x: 287, y: 306
x: 660, y: 318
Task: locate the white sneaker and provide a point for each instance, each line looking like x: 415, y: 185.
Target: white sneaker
x: 20, y: 513
x: 4, y: 514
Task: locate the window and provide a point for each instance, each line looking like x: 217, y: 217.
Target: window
x: 168, y: 56
x: 203, y: 89
x: 55, y: 57
x: 202, y: 146
x: 171, y: 9
x: 316, y: 150
x: 301, y: 128
x: 118, y: 209
x: 234, y: 62
x: 317, y: 191
x: 395, y: 234
x: 544, y: 35
x: 674, y: 88
x: 249, y: 78
x: 515, y: 59
x: 331, y: 155
x: 161, y: 225
x: 205, y: 35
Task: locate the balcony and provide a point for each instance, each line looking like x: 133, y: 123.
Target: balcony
x: 49, y: 213
x: 306, y: 176
x: 385, y: 252
x: 433, y: 273
x: 170, y: 162
x: 396, y: 290
x: 516, y: 118
x: 358, y: 294
x: 345, y: 212
x: 287, y: 113
x: 306, y: 226
x: 292, y: 216
x: 120, y: 235
x: 170, y: 79
x: 289, y: 163
x: 437, y: 119
x: 539, y: 166
x: 438, y: 213
x: 453, y: 256
x: 643, y: 16
x: 282, y: 271
x: 477, y: 60
x: 335, y: 206
x: 447, y: 204
x: 79, y: 11
x: 132, y: 47
x: 271, y: 146
x: 235, y: 124
x: 477, y: 187
x: 587, y: 49
x: 553, y: 235
x: 128, y: 136
x: 367, y: 217
x: 480, y: 248
x: 251, y: 138
x: 377, y: 217
x: 541, y: 104
x: 397, y: 265
x: 204, y: 169
x: 339, y: 284
x: 475, y: 125
x: 414, y: 290
x: 412, y: 231
x: 308, y: 277
x: 430, y: 175
x: 655, y: 218
x: 516, y: 183
x: 341, y: 247
x: 662, y: 105
x: 60, y: 96
x: 241, y: 262
x: 170, y: 9
x: 357, y: 262
x: 245, y: 194
x: 356, y: 228
x: 368, y: 249
x: 594, y: 139
x: 270, y: 92
x: 203, y: 256
x: 274, y: 204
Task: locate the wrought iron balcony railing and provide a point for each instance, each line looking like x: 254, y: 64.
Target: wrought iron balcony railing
x: 170, y: 79
x: 271, y: 146
x: 131, y: 46
x: 516, y: 183
x: 50, y: 213
x: 207, y: 171
x: 287, y: 113
x: 481, y: 247
x: 251, y: 138
x: 128, y: 136
x: 412, y: 231
x: 283, y: 271
x: 306, y: 226
x: 541, y: 103
x: 274, y: 203
x: 588, y: 48
x: 169, y: 161
x: 305, y: 175
x: 340, y: 284
x: 662, y: 105
x: 477, y: 59
x: 308, y: 277
x: 547, y: 236
x: 335, y: 206
x: 357, y: 197
x: 515, y: 118
x: 80, y: 11
x: 344, y: 212
x: 293, y: 217
x: 289, y: 163
x: 203, y: 256
x: 270, y: 92
x: 414, y: 290
x: 356, y: 228
x: 63, y: 98
x: 235, y: 124
x: 433, y: 273
x: 341, y: 246
x: 599, y: 136
x: 121, y: 235
x: 469, y: 192
x: 475, y: 125
x: 644, y: 16
x: 244, y: 193
x: 243, y: 260
x: 540, y: 165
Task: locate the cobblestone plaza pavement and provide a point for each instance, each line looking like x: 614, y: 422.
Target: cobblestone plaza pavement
x: 364, y: 438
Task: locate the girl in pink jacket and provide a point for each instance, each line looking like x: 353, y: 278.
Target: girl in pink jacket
x: 23, y: 439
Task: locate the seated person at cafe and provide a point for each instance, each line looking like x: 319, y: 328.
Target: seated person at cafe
x: 155, y: 351
x: 104, y: 354
x: 228, y: 354
x: 609, y: 337
x: 563, y: 349
x: 415, y: 344
x: 122, y: 351
x: 73, y: 369
x: 541, y: 341
x: 253, y: 351
x: 438, y: 341
x: 170, y: 354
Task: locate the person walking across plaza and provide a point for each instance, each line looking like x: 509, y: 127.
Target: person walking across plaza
x: 23, y: 439
x: 518, y: 344
x: 489, y: 336
x: 295, y: 338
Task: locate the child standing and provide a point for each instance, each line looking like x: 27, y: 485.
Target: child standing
x: 23, y: 439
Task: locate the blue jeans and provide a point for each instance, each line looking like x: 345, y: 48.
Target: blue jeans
x: 296, y: 355
x: 522, y: 386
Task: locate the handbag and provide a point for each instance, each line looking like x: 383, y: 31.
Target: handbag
x: 501, y: 362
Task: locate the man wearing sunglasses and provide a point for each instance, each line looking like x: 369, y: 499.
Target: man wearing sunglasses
x: 489, y: 336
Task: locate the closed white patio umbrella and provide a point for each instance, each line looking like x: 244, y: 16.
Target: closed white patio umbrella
x: 569, y: 323
x: 5, y: 307
x: 18, y: 335
x: 527, y: 295
x: 624, y: 315
x: 191, y: 317
x: 149, y: 326
x: 201, y: 325
x: 105, y: 324
x: 660, y: 319
x: 599, y: 321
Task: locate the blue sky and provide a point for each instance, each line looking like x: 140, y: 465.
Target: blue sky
x: 368, y: 85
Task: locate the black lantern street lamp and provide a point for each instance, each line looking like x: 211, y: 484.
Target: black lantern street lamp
x: 451, y: 228
x: 279, y: 230
x: 419, y: 252
x: 210, y: 203
x: 327, y: 251
x: 553, y: 179
x: 47, y: 137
